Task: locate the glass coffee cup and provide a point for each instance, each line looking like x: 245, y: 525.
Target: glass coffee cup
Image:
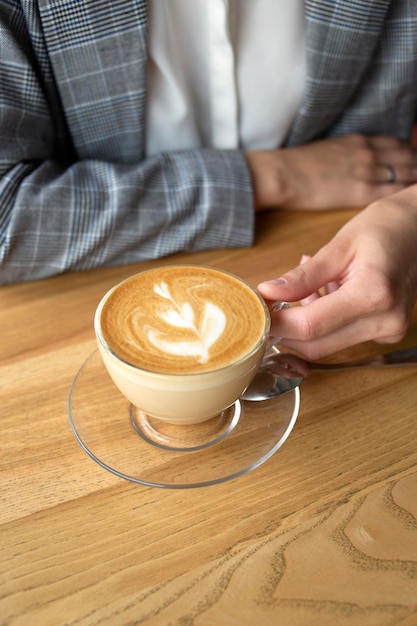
x: 182, y: 342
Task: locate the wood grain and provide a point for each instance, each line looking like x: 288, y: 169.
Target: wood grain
x: 323, y: 533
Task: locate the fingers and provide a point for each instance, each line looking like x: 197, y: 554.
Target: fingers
x: 319, y: 318
x: 344, y: 316
x: 350, y: 335
x: 303, y: 283
x: 360, y: 286
x: 389, y: 161
x: 390, y: 145
x: 391, y: 173
x: 328, y: 288
x: 335, y: 313
x: 356, y: 328
x: 336, y: 321
x: 365, y: 296
x: 383, y: 142
x: 316, y: 294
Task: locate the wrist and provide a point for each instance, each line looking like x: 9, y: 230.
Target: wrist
x: 270, y: 179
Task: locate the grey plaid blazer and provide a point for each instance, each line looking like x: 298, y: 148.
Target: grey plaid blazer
x: 75, y: 188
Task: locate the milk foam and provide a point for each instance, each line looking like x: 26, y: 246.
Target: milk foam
x: 178, y: 319
x: 182, y: 315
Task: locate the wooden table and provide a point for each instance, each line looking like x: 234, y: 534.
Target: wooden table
x: 324, y: 532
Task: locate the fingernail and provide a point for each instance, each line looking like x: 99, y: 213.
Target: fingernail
x: 275, y: 281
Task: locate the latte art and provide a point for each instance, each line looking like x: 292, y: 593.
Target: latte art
x: 177, y: 315
x: 182, y: 319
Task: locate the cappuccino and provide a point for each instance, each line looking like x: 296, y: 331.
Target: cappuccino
x: 182, y: 342
x: 182, y: 319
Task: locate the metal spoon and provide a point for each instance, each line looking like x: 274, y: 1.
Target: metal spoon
x: 279, y: 373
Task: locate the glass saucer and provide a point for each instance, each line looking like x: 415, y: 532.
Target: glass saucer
x: 124, y: 441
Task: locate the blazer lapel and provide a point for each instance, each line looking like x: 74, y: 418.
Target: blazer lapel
x: 98, y: 52
x: 340, y: 42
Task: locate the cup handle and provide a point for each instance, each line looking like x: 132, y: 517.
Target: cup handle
x: 274, y: 308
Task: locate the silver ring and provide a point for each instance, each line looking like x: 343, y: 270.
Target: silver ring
x: 391, y: 174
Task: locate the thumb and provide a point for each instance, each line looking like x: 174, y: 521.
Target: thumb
x: 297, y: 284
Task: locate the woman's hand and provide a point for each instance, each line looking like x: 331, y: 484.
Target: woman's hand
x: 367, y: 275
x: 342, y: 172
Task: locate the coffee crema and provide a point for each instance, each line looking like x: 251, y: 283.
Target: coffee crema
x: 182, y: 319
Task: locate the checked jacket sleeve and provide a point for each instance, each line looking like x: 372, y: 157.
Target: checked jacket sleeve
x: 75, y: 190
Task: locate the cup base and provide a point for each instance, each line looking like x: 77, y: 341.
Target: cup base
x: 187, y: 437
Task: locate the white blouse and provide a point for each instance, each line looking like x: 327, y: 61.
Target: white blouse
x: 223, y: 73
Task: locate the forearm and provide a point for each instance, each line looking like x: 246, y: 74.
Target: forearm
x: 94, y: 213
x: 60, y: 212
